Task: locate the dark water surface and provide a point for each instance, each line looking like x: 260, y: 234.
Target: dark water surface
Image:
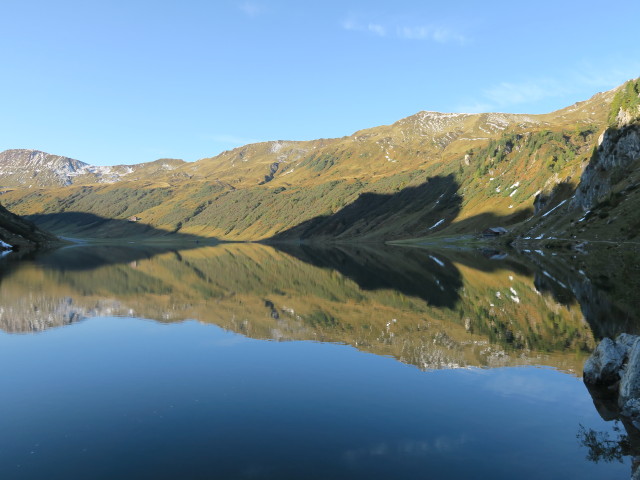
x: 242, y: 361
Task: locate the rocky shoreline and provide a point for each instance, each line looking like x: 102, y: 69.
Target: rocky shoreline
x: 612, y: 376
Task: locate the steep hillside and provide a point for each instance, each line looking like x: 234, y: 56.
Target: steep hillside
x: 431, y: 173
x: 17, y: 234
x: 603, y: 205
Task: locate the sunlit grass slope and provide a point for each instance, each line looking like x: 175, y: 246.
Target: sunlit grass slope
x: 494, y: 166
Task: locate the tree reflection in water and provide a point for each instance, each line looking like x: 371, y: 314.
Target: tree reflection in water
x: 603, y: 448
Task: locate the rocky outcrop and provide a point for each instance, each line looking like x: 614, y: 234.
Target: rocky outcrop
x: 540, y: 203
x: 273, y: 169
x: 605, y: 364
x: 615, y: 365
x: 618, y: 149
x: 612, y: 376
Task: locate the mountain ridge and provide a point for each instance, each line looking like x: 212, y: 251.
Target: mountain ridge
x: 35, y: 168
x: 497, y: 163
x: 495, y: 120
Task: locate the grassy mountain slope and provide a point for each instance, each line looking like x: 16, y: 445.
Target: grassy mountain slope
x: 428, y: 173
x: 603, y: 205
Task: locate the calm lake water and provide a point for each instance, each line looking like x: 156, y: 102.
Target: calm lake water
x: 243, y: 361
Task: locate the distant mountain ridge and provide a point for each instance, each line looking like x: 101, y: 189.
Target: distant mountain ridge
x: 22, y: 168
x: 431, y: 130
x: 430, y: 173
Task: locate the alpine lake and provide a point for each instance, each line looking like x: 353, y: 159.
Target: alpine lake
x: 243, y: 361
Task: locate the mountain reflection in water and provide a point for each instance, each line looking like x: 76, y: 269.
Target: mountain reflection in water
x: 431, y: 310
x: 117, y: 397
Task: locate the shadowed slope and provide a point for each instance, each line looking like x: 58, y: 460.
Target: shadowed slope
x: 21, y: 233
x: 88, y: 225
x: 498, y: 163
x: 419, y: 211
x: 409, y: 212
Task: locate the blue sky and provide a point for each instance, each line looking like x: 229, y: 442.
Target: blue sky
x: 114, y: 82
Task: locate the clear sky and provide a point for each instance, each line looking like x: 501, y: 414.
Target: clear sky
x: 111, y: 82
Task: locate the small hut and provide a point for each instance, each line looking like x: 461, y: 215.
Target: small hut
x: 494, y: 232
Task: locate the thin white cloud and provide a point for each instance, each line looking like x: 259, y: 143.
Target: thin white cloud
x: 251, y: 9
x: 428, y: 32
x: 507, y: 93
x: 377, y: 29
x: 581, y: 79
x: 373, y: 28
x: 438, y: 34
x: 598, y: 77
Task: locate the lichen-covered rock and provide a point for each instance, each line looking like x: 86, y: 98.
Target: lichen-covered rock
x: 604, y: 365
x: 627, y: 340
x: 629, y: 391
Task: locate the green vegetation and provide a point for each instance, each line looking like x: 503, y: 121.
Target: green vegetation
x: 321, y: 162
x: 371, y: 185
x: 627, y: 99
x: 558, y: 149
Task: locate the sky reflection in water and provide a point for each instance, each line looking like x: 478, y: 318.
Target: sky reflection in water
x: 119, y: 397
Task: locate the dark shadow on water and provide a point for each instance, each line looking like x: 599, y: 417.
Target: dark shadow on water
x: 413, y: 272
x: 418, y: 271
x: 120, y: 241
x: 431, y: 275
x: 89, y: 257
x: 486, y: 259
x: 310, y: 293
x: 559, y: 275
x: 562, y: 276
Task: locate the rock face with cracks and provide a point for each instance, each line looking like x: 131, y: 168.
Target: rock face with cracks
x: 604, y: 366
x: 615, y: 365
x: 618, y: 149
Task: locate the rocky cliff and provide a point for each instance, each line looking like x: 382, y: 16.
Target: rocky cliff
x: 617, y: 152
x: 602, y: 206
